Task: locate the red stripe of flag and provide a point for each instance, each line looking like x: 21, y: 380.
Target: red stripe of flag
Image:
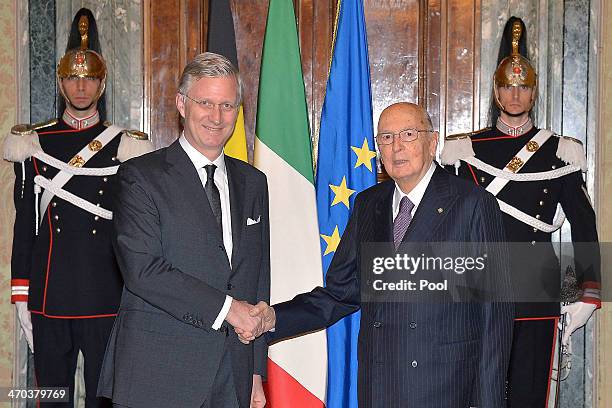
x: 282, y: 390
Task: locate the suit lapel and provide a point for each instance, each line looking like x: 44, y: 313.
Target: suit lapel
x: 433, y: 208
x: 237, y: 193
x: 182, y: 169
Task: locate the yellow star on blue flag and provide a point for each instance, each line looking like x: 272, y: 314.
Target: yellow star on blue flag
x: 364, y: 154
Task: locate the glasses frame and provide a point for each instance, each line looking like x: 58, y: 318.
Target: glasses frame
x: 206, y: 104
x: 402, y: 136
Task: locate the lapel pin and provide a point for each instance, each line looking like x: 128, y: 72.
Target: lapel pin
x: 440, y: 210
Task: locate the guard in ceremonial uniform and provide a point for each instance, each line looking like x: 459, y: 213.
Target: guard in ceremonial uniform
x: 66, y: 284
x: 537, y: 178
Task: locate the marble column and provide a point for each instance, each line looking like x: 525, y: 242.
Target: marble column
x: 42, y: 60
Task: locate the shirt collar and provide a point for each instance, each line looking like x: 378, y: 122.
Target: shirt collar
x: 198, y: 159
x: 514, y: 130
x: 416, y: 194
x: 82, y: 123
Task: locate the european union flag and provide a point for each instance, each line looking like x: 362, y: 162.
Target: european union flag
x: 346, y: 165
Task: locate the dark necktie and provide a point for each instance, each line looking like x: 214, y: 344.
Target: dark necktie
x: 402, y: 221
x: 212, y: 192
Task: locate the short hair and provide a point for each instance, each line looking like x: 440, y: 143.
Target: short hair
x: 209, y: 65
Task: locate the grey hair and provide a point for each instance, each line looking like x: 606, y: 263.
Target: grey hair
x: 209, y: 65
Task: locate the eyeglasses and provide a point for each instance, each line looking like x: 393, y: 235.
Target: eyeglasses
x: 208, y: 105
x: 405, y: 135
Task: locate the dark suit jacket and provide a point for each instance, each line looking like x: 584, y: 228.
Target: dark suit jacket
x: 438, y: 354
x: 163, y: 351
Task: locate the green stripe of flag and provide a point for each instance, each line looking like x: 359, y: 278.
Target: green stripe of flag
x: 282, y: 115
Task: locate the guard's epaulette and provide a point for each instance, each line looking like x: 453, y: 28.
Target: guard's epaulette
x: 571, y: 139
x: 571, y: 151
x: 458, y: 147
x: 133, y: 143
x: 26, y: 129
x: 136, y: 134
x: 466, y: 135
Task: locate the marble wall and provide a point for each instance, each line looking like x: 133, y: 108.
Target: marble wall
x: 42, y: 60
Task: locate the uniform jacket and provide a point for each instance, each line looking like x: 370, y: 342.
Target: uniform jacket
x: 69, y: 267
x: 539, y: 199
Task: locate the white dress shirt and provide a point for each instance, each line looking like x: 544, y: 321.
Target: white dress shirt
x: 220, y: 177
x: 415, y: 195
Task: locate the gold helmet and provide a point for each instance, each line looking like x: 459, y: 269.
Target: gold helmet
x: 82, y: 62
x: 515, y: 69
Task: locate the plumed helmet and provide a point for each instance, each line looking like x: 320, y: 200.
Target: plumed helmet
x: 515, y: 69
x: 81, y: 61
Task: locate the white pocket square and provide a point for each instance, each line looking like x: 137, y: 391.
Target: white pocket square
x: 251, y: 221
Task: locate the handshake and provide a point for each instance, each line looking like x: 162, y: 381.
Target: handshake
x: 250, y: 321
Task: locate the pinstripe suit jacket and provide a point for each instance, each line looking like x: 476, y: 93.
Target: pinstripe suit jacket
x: 437, y: 354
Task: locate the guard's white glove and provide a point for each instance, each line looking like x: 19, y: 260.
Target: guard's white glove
x: 25, y: 321
x: 577, y: 315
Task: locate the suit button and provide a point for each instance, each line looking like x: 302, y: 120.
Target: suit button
x: 56, y: 217
x: 186, y: 317
x: 94, y: 232
x: 229, y: 286
x: 58, y: 230
x: 377, y: 324
x: 413, y: 325
x: 105, y: 179
x: 101, y: 192
x: 54, y: 204
x: 414, y: 363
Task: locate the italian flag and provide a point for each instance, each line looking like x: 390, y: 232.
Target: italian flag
x: 297, y: 368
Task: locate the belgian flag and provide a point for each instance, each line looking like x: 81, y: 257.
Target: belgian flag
x: 222, y: 40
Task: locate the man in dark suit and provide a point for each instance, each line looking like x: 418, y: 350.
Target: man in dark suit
x: 192, y: 235
x: 434, y: 353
